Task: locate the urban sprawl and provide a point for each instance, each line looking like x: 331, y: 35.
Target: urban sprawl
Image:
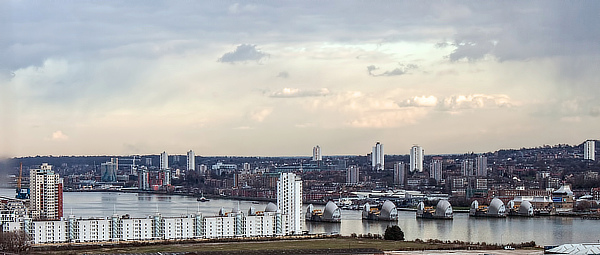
x: 559, y: 180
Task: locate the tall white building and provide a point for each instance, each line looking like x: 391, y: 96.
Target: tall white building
x: 191, y: 161
x: 399, y: 173
x: 164, y: 160
x: 352, y: 174
x: 589, y: 150
x: 46, y: 200
x: 416, y: 158
x: 289, y: 200
x: 317, y: 153
x: 467, y: 167
x: 435, y: 170
x: 377, y: 157
x: 481, y: 165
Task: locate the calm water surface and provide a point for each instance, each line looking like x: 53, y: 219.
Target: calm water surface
x: 543, y: 230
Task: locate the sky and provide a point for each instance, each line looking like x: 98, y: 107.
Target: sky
x: 276, y: 78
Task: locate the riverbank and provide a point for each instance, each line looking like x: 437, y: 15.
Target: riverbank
x: 304, y: 244
x: 158, y: 192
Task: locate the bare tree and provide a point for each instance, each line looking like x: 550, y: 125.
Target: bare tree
x: 15, y: 241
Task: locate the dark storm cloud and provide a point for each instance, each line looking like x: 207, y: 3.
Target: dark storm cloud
x: 35, y: 31
x: 526, y: 30
x: 243, y: 53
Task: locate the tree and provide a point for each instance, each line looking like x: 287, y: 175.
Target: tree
x: 393, y: 233
x: 15, y: 241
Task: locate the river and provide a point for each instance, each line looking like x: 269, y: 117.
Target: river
x: 542, y: 230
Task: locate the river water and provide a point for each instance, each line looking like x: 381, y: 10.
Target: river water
x: 542, y: 230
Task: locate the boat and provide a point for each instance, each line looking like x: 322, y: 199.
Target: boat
x: 202, y: 199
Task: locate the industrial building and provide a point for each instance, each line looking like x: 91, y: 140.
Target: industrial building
x: 495, y: 209
x: 388, y: 212
x: 443, y: 210
x: 331, y: 213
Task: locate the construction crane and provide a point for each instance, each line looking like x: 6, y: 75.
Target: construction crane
x: 22, y: 193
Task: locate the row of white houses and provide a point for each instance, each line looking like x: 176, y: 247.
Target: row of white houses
x: 155, y: 227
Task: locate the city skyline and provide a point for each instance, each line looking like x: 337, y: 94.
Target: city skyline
x: 275, y: 79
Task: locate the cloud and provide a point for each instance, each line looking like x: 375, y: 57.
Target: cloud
x: 570, y: 109
x: 59, y: 136
x: 284, y: 75
x: 394, y: 72
x: 474, y: 101
x: 243, y: 53
x: 458, y: 102
x: 361, y: 110
x: 472, y: 48
x: 237, y: 8
x: 261, y: 115
x: 293, y: 92
x: 421, y: 101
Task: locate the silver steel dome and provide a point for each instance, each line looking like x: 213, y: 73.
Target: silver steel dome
x: 497, y: 207
x: 331, y: 211
x: 388, y: 211
x: 443, y: 209
x: 526, y: 209
x: 271, y: 207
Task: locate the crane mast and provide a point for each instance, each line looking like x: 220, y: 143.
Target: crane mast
x: 21, y: 192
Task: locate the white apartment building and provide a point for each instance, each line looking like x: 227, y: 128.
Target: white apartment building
x: 46, y: 193
x: 589, y: 150
x: 191, y: 161
x: 317, y: 154
x: 155, y: 227
x: 435, y: 171
x: 164, y: 161
x: 377, y: 157
x: 467, y: 167
x: 416, y: 158
x: 289, y: 200
x: 284, y: 219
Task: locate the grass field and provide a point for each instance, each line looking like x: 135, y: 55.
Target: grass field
x: 313, y: 244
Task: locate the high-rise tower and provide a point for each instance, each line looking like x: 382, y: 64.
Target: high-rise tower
x: 435, y: 171
x: 416, y: 158
x: 377, y: 157
x: 317, y: 153
x: 289, y: 200
x: 108, y: 170
x: 46, y: 200
x: 589, y: 150
x: 399, y: 173
x: 191, y: 161
x: 352, y: 174
x: 164, y: 160
x: 481, y: 165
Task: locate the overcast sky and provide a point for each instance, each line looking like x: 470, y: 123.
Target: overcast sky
x: 275, y: 78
